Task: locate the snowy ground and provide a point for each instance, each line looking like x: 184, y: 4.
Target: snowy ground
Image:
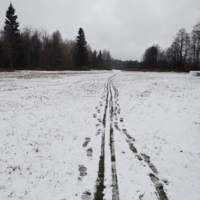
x: 52, y: 126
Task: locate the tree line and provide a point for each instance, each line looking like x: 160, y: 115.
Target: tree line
x: 30, y: 49
x: 182, y: 55
x: 128, y: 64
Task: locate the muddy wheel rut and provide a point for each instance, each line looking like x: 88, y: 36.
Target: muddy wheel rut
x: 110, y: 124
x: 115, y: 189
x: 108, y: 113
x: 101, y: 172
x: 161, y: 195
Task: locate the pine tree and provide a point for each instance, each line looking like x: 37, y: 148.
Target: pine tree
x: 11, y: 34
x: 99, y: 60
x: 82, y: 52
x: 94, y: 59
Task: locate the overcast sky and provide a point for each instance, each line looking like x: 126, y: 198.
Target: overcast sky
x: 124, y: 27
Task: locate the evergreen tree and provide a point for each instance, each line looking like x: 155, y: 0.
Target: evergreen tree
x: 11, y: 34
x: 1, y: 55
x: 99, y: 60
x: 94, y: 59
x: 82, y: 52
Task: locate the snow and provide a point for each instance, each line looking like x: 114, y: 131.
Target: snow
x: 45, y: 118
x: 162, y: 112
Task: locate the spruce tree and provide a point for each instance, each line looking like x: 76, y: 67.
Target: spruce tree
x: 11, y: 34
x: 82, y: 52
x: 99, y: 60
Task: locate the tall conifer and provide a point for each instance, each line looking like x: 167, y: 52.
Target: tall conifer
x: 11, y: 34
x: 82, y: 52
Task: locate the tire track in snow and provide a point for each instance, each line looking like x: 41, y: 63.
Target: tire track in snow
x: 114, y: 111
x: 115, y: 189
x: 101, y: 172
x: 158, y: 185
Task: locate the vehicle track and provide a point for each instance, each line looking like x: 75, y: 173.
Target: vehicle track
x: 115, y: 189
x: 161, y: 195
x: 112, y: 114
x: 101, y: 172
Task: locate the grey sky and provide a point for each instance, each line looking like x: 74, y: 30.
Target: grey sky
x: 125, y: 28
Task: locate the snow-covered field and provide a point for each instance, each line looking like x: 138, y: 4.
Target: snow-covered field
x: 55, y: 125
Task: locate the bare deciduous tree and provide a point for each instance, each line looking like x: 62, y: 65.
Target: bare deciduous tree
x: 195, y: 46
